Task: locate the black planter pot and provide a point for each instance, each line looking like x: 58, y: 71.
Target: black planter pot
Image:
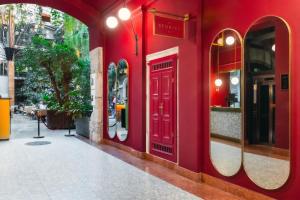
x: 83, y: 126
x: 59, y: 120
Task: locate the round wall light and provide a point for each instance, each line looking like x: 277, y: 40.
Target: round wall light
x: 220, y: 41
x: 124, y: 14
x: 230, y: 40
x: 274, y: 47
x: 235, y: 80
x: 218, y: 82
x: 112, y: 22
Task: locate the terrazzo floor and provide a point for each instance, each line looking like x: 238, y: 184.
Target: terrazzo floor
x: 267, y: 172
x: 69, y: 169
x: 226, y: 159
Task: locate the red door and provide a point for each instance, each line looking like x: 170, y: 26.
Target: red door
x: 163, y: 107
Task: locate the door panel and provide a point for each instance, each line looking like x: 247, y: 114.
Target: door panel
x: 163, y: 108
x: 167, y: 97
x: 155, y: 98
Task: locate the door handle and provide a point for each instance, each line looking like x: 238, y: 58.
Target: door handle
x: 161, y: 108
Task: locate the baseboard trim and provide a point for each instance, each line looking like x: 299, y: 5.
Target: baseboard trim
x: 125, y: 148
x: 236, y: 190
x: 174, y: 166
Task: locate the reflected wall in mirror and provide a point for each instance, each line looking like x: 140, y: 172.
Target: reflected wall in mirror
x: 111, y: 83
x: 225, y: 102
x: 122, y: 92
x: 267, y: 96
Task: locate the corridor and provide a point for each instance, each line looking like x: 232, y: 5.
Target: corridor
x: 70, y: 169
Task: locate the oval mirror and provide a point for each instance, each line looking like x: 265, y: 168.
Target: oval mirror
x: 122, y: 100
x: 225, y: 102
x: 112, y: 99
x: 267, y: 108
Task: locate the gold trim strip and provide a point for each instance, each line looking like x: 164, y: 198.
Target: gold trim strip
x: 154, y: 11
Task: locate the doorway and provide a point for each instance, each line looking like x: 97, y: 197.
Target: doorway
x: 163, y: 107
x: 262, y: 111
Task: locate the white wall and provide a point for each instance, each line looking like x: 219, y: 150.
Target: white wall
x: 4, y: 86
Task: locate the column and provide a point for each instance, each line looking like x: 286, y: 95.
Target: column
x: 96, y: 122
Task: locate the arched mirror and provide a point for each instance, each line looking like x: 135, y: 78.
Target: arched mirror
x: 267, y: 103
x: 122, y: 99
x: 225, y: 102
x: 112, y: 99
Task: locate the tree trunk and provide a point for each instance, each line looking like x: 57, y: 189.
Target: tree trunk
x: 11, y: 64
x: 54, y: 84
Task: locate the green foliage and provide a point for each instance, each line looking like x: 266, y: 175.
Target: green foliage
x: 56, y: 17
x: 57, y: 75
x: 57, y: 71
x: 76, y: 34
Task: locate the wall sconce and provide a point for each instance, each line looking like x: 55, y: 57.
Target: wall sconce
x: 218, y: 82
x: 230, y: 40
x: 124, y: 14
x: 235, y: 80
x: 112, y: 22
x: 273, y: 47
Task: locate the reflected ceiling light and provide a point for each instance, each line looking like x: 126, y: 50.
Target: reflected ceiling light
x: 230, y: 40
x: 112, y: 22
x: 218, y: 82
x: 235, y: 80
x: 273, y: 47
x: 124, y: 14
x: 220, y: 41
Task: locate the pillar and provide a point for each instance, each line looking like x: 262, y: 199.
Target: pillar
x: 96, y: 121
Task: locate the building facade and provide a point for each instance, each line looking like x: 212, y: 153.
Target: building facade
x: 212, y: 88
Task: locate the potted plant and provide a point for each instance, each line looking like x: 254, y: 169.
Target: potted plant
x: 58, y: 64
x: 80, y: 109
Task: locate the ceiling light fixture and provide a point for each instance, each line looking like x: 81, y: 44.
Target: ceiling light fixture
x: 124, y: 14
x: 274, y: 47
x: 235, y: 80
x: 112, y: 22
x: 220, y: 41
x: 230, y: 40
x: 218, y: 82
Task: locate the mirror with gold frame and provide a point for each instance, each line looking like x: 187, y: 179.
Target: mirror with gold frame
x: 225, y: 102
x: 122, y: 99
x: 266, y: 155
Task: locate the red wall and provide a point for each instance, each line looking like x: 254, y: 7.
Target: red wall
x: 282, y: 96
x: 188, y: 75
x: 194, y: 73
x: 120, y: 44
x: 240, y: 15
x: 188, y: 71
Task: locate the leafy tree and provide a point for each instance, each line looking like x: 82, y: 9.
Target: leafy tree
x: 58, y: 74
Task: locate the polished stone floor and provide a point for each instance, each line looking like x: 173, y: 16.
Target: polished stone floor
x: 267, y: 171
x: 70, y: 169
x: 226, y: 159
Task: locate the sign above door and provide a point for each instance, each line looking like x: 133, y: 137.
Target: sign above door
x: 170, y: 25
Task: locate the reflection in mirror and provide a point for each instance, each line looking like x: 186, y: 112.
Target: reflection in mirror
x: 267, y: 138
x: 111, y: 82
x: 225, y: 103
x: 122, y: 100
